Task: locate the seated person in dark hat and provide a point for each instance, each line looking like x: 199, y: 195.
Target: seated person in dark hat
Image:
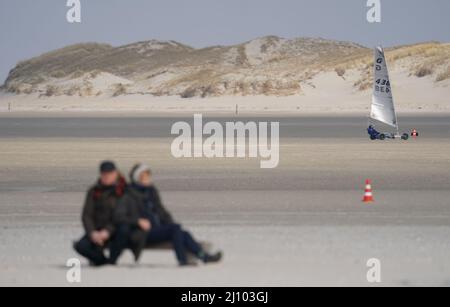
x: 98, y: 214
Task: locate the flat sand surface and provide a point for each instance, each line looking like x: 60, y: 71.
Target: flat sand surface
x: 302, y: 223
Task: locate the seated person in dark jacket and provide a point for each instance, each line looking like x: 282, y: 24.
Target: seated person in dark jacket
x: 373, y: 132
x: 98, y: 214
x: 151, y: 217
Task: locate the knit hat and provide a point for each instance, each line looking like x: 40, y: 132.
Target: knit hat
x: 137, y: 171
x: 107, y: 167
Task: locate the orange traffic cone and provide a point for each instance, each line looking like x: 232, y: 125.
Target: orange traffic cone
x: 368, y: 196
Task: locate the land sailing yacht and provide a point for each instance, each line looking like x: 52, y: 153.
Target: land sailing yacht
x: 383, y: 108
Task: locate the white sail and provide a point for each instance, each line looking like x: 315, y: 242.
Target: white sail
x: 383, y: 109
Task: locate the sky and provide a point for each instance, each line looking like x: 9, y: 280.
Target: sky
x: 29, y: 28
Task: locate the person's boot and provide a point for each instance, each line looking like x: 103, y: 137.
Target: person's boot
x: 95, y: 260
x: 212, y: 258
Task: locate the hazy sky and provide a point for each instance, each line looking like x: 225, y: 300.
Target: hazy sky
x: 31, y: 27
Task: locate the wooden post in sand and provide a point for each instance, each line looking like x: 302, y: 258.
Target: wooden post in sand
x: 237, y: 109
x: 9, y: 107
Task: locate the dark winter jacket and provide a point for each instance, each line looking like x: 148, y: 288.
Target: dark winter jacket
x: 130, y: 209
x: 100, y: 206
x: 147, y: 204
x: 372, y: 132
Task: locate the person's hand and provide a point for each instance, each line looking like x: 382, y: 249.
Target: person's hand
x: 96, y: 238
x: 104, y: 235
x: 144, y: 224
x: 100, y: 237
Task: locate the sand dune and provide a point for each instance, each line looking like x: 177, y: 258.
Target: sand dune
x: 269, y: 66
x: 326, y: 93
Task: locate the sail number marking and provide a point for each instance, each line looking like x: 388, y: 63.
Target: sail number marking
x: 383, y: 86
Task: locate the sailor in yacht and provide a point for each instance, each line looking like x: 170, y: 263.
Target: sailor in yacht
x: 373, y: 132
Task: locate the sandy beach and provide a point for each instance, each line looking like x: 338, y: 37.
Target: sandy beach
x: 300, y: 224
